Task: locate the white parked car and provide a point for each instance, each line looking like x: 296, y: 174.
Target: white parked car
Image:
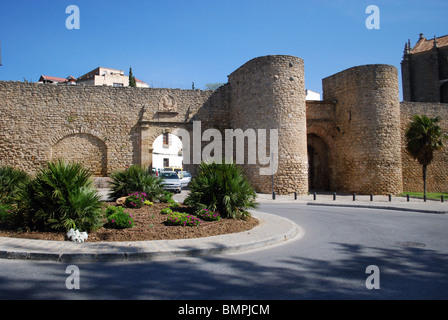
x: 171, y: 181
x: 185, y: 178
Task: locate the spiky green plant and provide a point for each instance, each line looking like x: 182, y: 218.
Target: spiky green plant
x: 61, y: 196
x: 11, y: 180
x: 135, y: 179
x: 223, y: 188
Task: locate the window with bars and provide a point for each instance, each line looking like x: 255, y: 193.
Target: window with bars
x: 166, y: 140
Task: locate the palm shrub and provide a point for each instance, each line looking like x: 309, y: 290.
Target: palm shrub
x: 223, y: 188
x: 61, y: 197
x: 135, y: 179
x: 11, y: 181
x: 6, y: 216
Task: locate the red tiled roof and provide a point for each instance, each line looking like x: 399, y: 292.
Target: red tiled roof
x: 425, y: 45
x: 54, y: 79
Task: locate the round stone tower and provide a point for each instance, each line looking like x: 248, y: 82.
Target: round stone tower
x: 368, y: 142
x: 268, y: 93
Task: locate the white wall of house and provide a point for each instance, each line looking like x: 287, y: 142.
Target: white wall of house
x: 110, y: 77
x: 171, y: 151
x: 312, y: 95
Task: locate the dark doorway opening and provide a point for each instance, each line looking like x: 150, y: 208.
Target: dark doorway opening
x: 318, y: 164
x: 444, y: 93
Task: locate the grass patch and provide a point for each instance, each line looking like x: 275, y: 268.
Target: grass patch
x: 429, y: 195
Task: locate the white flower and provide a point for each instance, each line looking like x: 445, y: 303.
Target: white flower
x: 77, y: 236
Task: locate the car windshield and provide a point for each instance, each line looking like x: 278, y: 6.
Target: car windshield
x: 169, y: 175
x: 186, y: 175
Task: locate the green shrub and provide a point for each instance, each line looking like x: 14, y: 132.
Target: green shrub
x: 61, y: 197
x: 11, y: 181
x: 166, y: 197
x: 117, y: 218
x: 166, y: 211
x: 6, y: 216
x: 148, y: 203
x: 174, y: 205
x: 182, y: 219
x: 135, y: 200
x: 223, y: 188
x: 135, y: 179
x: 208, y: 215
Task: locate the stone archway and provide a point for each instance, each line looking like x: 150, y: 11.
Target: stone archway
x: 318, y: 164
x: 167, y: 150
x: 150, y: 131
x: 84, y: 148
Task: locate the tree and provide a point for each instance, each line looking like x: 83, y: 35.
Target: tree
x: 132, y: 82
x: 213, y: 86
x: 424, y: 136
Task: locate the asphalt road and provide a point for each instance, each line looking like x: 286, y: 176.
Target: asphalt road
x: 410, y: 251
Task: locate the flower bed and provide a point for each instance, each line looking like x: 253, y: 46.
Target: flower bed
x: 149, y: 224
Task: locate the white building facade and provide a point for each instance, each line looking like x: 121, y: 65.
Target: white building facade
x: 167, y: 152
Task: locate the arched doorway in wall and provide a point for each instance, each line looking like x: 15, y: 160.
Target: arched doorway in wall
x: 318, y: 164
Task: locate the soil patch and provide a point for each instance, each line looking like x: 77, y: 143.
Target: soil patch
x: 149, y: 224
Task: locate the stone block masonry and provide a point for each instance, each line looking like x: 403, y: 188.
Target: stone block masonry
x: 269, y: 93
x: 100, y: 126
x: 350, y: 142
x: 367, y: 116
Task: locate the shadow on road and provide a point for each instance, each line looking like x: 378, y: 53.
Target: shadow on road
x: 406, y: 273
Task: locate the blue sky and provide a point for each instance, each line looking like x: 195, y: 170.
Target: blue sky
x: 175, y: 43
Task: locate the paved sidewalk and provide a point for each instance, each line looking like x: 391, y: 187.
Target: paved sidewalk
x: 361, y: 201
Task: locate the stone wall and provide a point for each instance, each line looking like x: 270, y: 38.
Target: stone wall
x: 44, y: 122
x: 424, y: 74
x: 353, y: 141
x: 437, y: 175
x: 367, y: 118
x: 269, y: 93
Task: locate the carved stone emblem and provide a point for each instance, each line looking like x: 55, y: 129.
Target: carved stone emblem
x: 167, y: 104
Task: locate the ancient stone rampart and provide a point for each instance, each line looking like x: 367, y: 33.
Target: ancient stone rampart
x: 367, y: 118
x: 352, y: 141
x: 269, y: 93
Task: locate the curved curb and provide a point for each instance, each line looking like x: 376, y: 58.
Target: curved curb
x: 271, y: 230
x: 385, y: 207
